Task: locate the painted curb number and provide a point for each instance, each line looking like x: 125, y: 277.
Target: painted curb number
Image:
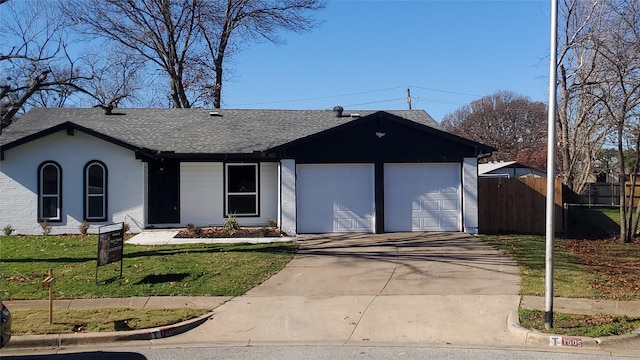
x: 565, y: 341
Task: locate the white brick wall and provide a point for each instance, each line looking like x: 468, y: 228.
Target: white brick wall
x: 202, y: 195
x: 18, y: 182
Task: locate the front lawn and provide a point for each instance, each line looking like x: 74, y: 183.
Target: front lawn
x: 194, y: 269
x: 595, y: 269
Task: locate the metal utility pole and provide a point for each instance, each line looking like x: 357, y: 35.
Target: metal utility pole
x: 409, y: 98
x: 551, y: 168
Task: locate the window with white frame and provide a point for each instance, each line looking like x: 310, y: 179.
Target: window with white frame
x: 49, y: 192
x: 95, y: 191
x: 241, y: 189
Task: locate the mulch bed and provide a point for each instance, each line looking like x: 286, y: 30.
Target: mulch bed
x: 219, y: 232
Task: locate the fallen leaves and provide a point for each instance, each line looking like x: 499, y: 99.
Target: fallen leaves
x: 616, y: 267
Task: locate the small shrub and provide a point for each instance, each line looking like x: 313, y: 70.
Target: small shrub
x: 195, y: 230
x: 46, y: 228
x: 8, y: 230
x: 231, y: 223
x: 84, y: 228
x: 272, y: 223
x: 265, y: 231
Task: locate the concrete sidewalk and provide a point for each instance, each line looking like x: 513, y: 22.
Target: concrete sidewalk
x: 166, y: 237
x: 584, y: 306
x: 325, y: 308
x: 564, y: 305
x: 148, y: 302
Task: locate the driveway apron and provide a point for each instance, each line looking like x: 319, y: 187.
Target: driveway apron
x: 409, y: 288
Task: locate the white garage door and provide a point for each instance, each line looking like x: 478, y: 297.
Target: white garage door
x: 422, y: 197
x: 335, y: 198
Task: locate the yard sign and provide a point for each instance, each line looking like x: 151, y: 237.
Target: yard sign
x: 110, y: 246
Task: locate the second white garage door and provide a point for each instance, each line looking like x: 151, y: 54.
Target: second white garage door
x: 422, y: 197
x: 335, y: 198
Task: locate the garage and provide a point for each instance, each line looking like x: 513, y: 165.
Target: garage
x: 422, y: 197
x: 380, y: 173
x: 335, y: 198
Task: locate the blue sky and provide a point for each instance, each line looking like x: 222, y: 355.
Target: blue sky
x: 365, y: 55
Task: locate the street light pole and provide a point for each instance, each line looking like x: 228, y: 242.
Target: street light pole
x: 551, y: 168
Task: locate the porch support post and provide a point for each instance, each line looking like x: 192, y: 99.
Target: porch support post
x: 287, y: 214
x: 470, y: 195
x: 379, y: 197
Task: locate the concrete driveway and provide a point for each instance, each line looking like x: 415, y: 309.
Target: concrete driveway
x: 409, y: 288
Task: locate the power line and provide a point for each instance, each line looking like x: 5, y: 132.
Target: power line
x: 368, y: 92
x: 445, y: 91
x: 320, y: 97
x: 375, y: 102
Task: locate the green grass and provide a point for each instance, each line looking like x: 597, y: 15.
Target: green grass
x: 570, y: 278
x: 593, y: 222
x: 195, y: 269
x: 35, y: 322
x: 580, y: 325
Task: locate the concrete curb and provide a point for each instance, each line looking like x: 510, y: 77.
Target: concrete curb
x: 60, y: 340
x: 633, y: 337
x: 540, y: 338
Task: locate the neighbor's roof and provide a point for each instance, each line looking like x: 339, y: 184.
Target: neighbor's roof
x: 193, y: 131
x: 496, y: 165
x: 489, y: 167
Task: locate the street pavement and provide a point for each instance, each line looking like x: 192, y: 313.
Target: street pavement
x: 364, y: 289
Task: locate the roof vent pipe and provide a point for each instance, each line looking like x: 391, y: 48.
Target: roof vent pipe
x: 107, y: 108
x: 338, y: 110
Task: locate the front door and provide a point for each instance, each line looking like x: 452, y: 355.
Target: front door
x: 164, y: 193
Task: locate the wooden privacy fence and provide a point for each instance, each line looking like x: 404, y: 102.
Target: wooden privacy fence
x: 516, y: 205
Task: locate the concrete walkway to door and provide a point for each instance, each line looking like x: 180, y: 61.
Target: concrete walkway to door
x: 410, y: 288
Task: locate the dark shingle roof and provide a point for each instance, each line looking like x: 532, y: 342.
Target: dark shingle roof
x: 195, y: 131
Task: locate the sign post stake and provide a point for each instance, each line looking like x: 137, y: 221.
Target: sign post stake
x: 51, y: 297
x: 48, y: 283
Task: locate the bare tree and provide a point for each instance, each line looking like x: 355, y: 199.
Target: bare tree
x: 581, y: 129
x: 618, y: 47
x: 29, y: 64
x: 116, y: 77
x: 190, y: 39
x: 510, y: 122
x: 40, y: 71
x: 247, y: 20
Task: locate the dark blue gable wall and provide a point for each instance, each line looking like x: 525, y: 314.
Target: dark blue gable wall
x: 380, y: 138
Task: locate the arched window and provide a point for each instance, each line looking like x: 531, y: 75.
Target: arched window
x: 95, y: 191
x: 49, y: 192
